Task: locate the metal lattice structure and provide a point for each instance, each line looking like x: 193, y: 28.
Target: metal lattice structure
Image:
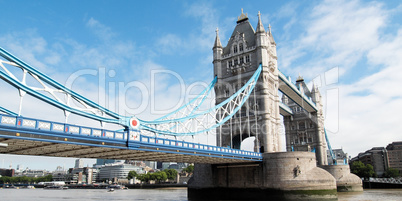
x: 50, y: 91
x: 187, y: 120
x: 196, y: 122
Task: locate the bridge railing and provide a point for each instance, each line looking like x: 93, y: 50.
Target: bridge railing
x: 197, y: 146
x: 29, y: 123
x: 66, y: 130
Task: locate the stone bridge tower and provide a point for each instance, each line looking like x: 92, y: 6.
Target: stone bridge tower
x: 305, y: 131
x: 234, y: 64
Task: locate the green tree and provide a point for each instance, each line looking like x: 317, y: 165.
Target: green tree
x: 160, y: 176
x: 189, y: 169
x: 362, y: 170
x: 4, y: 179
x: 132, y: 174
x: 171, y: 173
x: 391, y: 173
x: 24, y: 179
x: 157, y: 176
x: 144, y: 177
x: 13, y: 180
x: 48, y: 177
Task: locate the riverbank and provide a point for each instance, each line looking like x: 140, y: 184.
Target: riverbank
x: 102, y: 186
x: 380, y: 185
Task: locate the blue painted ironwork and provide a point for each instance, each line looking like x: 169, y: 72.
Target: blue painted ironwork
x: 249, y: 86
x: 203, y: 95
x: 115, y: 118
x: 123, y: 140
x: 2, y: 109
x: 112, y: 116
x: 330, y: 148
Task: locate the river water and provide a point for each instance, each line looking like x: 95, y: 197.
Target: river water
x: 156, y: 194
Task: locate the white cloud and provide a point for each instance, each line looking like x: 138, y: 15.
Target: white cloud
x: 337, y: 33
x: 369, y: 108
x: 346, y: 34
x: 171, y: 44
x: 102, y: 31
x: 30, y: 47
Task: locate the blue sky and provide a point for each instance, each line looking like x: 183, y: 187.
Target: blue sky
x: 352, y: 49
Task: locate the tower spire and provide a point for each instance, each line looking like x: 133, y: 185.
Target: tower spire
x: 260, y: 27
x: 217, y: 40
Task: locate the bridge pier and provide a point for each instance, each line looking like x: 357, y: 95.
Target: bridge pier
x: 280, y: 176
x: 345, y: 181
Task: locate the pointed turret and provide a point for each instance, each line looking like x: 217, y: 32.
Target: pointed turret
x: 217, y: 50
x: 260, y: 27
x: 315, y: 94
x: 271, y: 38
x: 262, y: 43
x: 217, y: 40
x: 313, y: 88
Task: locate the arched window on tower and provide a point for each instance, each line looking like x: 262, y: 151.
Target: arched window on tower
x: 241, y: 47
x: 247, y: 58
x: 235, y: 49
x: 302, y: 125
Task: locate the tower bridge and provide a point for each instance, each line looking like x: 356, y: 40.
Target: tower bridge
x: 247, y: 85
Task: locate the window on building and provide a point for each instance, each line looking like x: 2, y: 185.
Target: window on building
x: 235, y: 49
x: 241, y: 47
x: 302, y: 125
x: 226, y: 93
x: 241, y: 60
x: 310, y: 140
x: 235, y: 62
x: 247, y: 58
x: 230, y: 63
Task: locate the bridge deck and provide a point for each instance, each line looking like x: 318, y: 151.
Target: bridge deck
x: 284, y: 110
x: 25, y: 136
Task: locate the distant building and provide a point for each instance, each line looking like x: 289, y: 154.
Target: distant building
x: 138, y: 163
x: 59, y: 174
x: 117, y: 171
x: 377, y: 157
x: 151, y: 164
x: 7, y: 172
x: 159, y: 165
x: 33, y: 173
x: 81, y: 175
x: 394, y: 152
x: 102, y: 161
x: 79, y: 163
x: 340, y: 157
